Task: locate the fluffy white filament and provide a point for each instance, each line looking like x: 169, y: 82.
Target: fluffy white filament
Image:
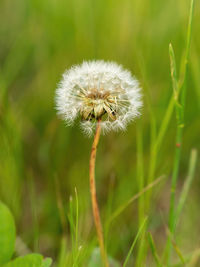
x: 98, y: 90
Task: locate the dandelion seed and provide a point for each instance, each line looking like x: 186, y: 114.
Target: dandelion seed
x: 98, y: 91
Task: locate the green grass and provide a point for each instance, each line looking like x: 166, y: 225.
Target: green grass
x: 42, y: 161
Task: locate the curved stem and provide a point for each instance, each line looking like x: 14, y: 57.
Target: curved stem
x: 95, y: 207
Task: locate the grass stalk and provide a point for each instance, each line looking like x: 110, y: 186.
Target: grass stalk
x: 140, y: 180
x: 140, y: 172
x: 34, y: 213
x: 187, y: 184
x: 179, y: 89
x: 122, y: 207
x: 60, y: 206
x: 175, y: 246
x: 72, y: 227
x: 134, y: 241
x: 76, y: 230
x: 190, y: 259
x: 154, y: 251
x: 77, y: 219
x: 179, y: 133
x: 95, y: 207
x: 63, y: 243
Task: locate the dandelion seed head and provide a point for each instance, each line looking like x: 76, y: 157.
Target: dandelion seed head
x: 98, y: 91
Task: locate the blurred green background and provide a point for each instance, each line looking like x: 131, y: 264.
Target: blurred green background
x: 38, y: 41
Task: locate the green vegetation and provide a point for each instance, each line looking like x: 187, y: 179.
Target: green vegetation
x: 7, y: 244
x: 150, y: 171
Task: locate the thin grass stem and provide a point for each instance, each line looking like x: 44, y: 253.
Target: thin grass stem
x: 77, y: 213
x: 179, y: 89
x: 140, y: 172
x: 134, y: 241
x: 187, y: 184
x: 121, y: 208
x: 154, y: 251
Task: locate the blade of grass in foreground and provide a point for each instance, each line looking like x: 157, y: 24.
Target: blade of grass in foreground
x: 187, y: 184
x: 194, y: 259
x: 131, y: 200
x: 33, y: 201
x: 179, y: 87
x: 75, y: 262
x: 62, y: 258
x: 180, y: 121
x: 183, y: 196
x: 190, y: 259
x: 155, y: 146
x: 74, y: 228
x: 153, y: 249
x: 175, y: 246
x: 140, y: 172
x: 60, y: 206
x: 140, y: 181
x: 134, y: 242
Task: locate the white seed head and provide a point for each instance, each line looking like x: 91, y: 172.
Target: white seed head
x: 98, y: 90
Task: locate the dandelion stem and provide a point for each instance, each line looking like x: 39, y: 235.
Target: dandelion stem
x: 95, y: 207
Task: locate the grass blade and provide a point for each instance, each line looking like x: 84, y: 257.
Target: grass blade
x: 134, y: 242
x: 175, y: 246
x: 153, y: 249
x: 76, y: 230
x: 140, y: 172
x: 195, y: 257
x: 187, y: 184
x: 60, y: 206
x: 190, y: 259
x: 131, y: 200
x: 178, y: 139
x: 140, y: 181
x: 178, y: 88
x: 188, y: 44
x: 173, y: 71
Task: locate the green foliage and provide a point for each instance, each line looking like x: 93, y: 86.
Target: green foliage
x: 7, y: 234
x: 31, y: 260
x: 46, y: 262
x: 7, y: 244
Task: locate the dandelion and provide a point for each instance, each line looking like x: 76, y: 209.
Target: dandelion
x: 106, y: 97
x: 98, y: 91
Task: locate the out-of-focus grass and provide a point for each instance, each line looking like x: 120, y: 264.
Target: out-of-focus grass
x: 38, y: 40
